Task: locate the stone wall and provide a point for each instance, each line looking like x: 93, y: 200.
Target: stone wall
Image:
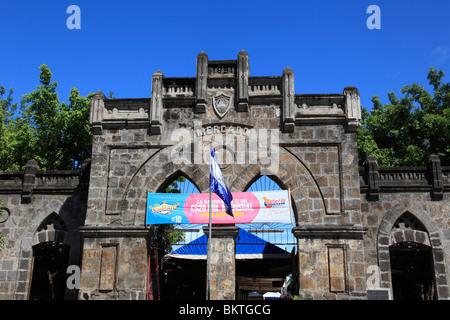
x: 141, y: 145
x: 345, y: 216
x: 42, y: 206
x: 420, y: 192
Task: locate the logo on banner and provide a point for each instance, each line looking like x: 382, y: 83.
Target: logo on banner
x: 164, y: 208
x: 268, y: 203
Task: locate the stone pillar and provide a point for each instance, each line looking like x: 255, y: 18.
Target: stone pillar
x: 29, y: 176
x: 156, y: 104
x: 96, y: 108
x: 434, y: 164
x: 288, y: 100
x: 201, y: 83
x: 243, y: 75
x: 373, y: 178
x: 115, y: 263
x: 331, y: 262
x: 223, y: 257
x: 352, y: 108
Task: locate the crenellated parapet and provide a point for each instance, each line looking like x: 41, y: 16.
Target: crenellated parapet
x: 230, y: 79
x: 433, y: 179
x: 33, y: 181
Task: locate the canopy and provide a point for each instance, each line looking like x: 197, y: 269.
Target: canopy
x: 248, y: 246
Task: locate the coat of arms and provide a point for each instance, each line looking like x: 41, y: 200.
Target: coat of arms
x: 221, y: 104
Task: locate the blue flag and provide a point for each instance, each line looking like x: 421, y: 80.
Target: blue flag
x: 217, y: 185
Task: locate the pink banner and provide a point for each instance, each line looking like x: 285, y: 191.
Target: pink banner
x: 248, y: 207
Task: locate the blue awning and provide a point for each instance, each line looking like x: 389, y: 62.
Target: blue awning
x: 248, y: 246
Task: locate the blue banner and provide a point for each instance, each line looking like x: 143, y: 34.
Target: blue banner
x: 166, y: 208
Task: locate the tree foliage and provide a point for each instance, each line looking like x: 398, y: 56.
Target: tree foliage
x: 55, y: 134
x: 406, y: 131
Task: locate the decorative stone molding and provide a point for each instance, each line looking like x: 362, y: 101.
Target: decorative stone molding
x: 202, y: 83
x: 329, y: 232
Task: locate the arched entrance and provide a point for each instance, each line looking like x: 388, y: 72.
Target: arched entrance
x: 412, y: 271
x: 411, y: 260
x: 268, y: 278
x: 415, y: 243
x: 50, y: 260
x: 49, y: 276
x: 179, y: 279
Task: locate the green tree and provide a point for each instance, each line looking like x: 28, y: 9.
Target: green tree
x: 406, y: 131
x: 55, y: 134
x: 13, y: 133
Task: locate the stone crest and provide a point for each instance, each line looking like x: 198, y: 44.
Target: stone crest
x: 221, y: 104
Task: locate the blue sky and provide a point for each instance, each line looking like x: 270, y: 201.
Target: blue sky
x: 122, y: 43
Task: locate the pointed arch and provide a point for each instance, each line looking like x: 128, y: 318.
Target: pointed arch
x: 272, y: 180
x: 53, y: 211
x: 307, y: 200
x: 154, y: 175
x: 384, y: 241
x: 173, y: 177
x: 51, y: 229
x: 391, y: 216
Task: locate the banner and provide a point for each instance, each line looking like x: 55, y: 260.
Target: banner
x: 248, y: 207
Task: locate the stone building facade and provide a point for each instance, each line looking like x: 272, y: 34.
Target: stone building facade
x: 348, y: 220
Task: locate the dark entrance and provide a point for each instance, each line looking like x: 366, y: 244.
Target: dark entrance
x: 412, y: 271
x: 49, y: 276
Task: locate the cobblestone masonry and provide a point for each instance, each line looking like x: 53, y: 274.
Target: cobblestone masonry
x: 345, y: 215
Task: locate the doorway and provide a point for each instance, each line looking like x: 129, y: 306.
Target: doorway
x: 48, y: 281
x: 412, y: 271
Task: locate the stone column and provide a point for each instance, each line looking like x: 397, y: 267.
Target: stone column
x: 373, y: 178
x: 115, y: 263
x: 201, y: 83
x: 288, y: 92
x: 434, y: 164
x: 29, y: 176
x: 243, y: 75
x: 96, y: 108
x: 223, y: 257
x: 352, y: 108
x: 156, y: 104
x: 331, y: 262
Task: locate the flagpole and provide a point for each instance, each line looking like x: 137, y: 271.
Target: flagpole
x: 210, y: 235
x: 209, y: 246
